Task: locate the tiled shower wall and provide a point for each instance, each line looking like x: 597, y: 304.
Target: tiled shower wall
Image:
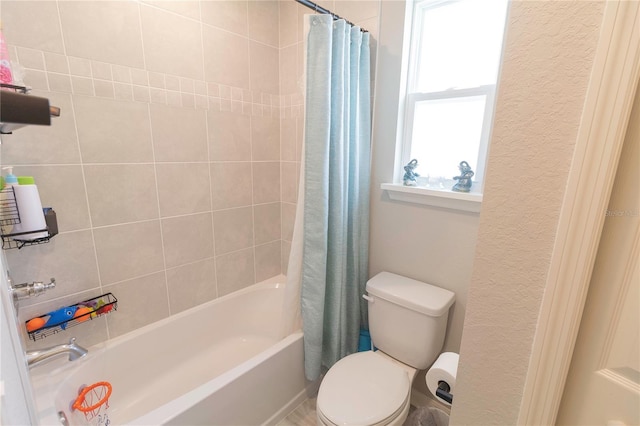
x: 173, y: 167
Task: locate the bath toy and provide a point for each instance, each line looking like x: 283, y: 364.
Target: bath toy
x: 60, y: 316
x: 105, y: 309
x: 35, y: 324
x: 80, y: 314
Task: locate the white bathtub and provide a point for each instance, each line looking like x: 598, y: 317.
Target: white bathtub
x: 221, y: 363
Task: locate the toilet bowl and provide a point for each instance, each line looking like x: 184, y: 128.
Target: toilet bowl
x: 366, y: 388
x: 407, y: 321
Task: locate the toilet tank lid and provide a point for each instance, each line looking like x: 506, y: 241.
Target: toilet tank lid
x: 412, y: 294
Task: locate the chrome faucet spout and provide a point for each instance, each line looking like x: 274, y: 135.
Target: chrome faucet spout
x: 74, y: 350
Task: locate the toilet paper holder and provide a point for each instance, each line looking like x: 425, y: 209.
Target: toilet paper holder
x: 443, y: 391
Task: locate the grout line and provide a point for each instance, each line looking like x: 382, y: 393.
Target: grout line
x: 155, y: 172
x: 251, y: 122
x: 213, y: 230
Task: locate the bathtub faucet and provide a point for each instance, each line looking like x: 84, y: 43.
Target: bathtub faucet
x: 38, y: 357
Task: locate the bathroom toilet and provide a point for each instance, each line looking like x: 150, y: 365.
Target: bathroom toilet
x: 407, y: 322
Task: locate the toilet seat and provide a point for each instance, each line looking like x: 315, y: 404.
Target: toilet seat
x: 365, y: 388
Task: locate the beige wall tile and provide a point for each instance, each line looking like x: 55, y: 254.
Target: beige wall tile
x: 56, y: 63
x: 128, y: 251
x: 266, y: 222
x: 231, y: 185
x: 156, y: 80
x: 101, y: 70
x: 59, y: 82
x: 157, y: 96
x: 233, y: 229
x: 55, y: 144
x: 289, y: 78
x: 265, y: 138
x: 103, y: 89
x: 139, y: 77
x: 226, y: 58
x: 69, y: 258
x: 141, y: 94
x: 61, y: 187
x: 113, y: 131
x: 123, y: 92
x: 229, y: 136
x: 268, y: 260
x: 235, y: 271
x: 18, y: 15
x: 286, y: 251
x: 288, y: 139
x: 121, y: 74
x: 188, y: 8
x: 172, y: 44
x: 228, y: 15
x: 30, y: 58
x: 264, y: 68
x: 174, y: 99
x: 121, y: 193
x: 82, y: 86
x: 105, y: 31
x: 288, y: 15
x: 179, y: 134
x: 79, y: 66
x: 191, y: 285
x: 266, y: 182
x: 187, y: 239
x: 299, y: 136
x: 141, y: 301
x: 288, y: 220
x: 183, y: 188
x: 264, y: 22
x: 289, y: 182
x: 356, y: 11
x: 37, y: 80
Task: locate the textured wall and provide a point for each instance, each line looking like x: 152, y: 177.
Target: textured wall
x: 547, y: 62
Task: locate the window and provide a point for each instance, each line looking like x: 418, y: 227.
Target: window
x: 453, y: 69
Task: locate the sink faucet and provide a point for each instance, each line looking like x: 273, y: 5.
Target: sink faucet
x: 38, y: 357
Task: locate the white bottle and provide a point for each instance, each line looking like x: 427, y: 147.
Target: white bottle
x: 30, y: 209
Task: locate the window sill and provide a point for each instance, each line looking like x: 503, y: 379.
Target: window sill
x: 446, y: 199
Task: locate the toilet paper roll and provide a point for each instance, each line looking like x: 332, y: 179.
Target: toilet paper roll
x: 444, y: 369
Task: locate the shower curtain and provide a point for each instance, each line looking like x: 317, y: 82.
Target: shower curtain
x: 328, y: 264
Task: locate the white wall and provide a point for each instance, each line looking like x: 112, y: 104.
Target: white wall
x: 425, y: 243
x: 548, y: 58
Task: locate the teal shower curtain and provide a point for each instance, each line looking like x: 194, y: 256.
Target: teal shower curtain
x: 336, y: 191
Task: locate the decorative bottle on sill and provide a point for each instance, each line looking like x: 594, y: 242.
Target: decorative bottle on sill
x: 410, y: 175
x: 464, y: 180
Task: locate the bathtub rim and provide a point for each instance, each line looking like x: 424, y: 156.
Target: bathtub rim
x: 61, y: 365
x: 166, y: 412
x: 43, y: 378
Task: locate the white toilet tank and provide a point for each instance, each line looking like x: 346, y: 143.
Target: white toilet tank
x: 408, y: 318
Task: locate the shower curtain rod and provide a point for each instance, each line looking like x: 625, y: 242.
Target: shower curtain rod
x: 320, y: 9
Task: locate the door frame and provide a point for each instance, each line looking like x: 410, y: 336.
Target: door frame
x: 607, y: 107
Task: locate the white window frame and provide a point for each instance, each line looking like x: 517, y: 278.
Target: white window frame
x: 412, y: 98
